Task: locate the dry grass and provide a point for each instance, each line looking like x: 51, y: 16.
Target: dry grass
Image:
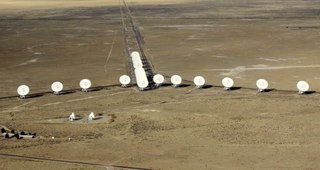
x: 21, y: 5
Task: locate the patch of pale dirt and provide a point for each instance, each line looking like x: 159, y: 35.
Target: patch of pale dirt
x: 166, y: 128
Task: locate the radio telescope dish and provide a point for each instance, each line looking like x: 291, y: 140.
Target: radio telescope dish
x: 23, y: 90
x: 135, y: 57
x: 228, y: 83
x: 91, y: 116
x: 124, y: 80
x: 141, y: 77
x: 72, y: 117
x: 137, y: 63
x: 135, y: 54
x: 303, y: 87
x: 85, y: 84
x: 57, y: 87
x: 158, y: 79
x: 199, y: 81
x: 142, y: 84
x: 262, y: 85
x: 176, y: 80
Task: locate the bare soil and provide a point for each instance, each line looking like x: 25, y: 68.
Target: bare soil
x: 166, y: 128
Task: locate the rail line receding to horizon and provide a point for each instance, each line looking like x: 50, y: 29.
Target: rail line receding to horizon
x: 133, y: 41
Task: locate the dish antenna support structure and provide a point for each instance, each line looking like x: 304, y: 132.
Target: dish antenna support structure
x: 124, y: 80
x: 57, y: 87
x: 199, y: 81
x: 141, y: 77
x: 176, y: 80
x: 227, y: 83
x: 136, y: 60
x: 262, y: 85
x: 23, y: 91
x: 158, y: 79
x: 85, y: 84
x: 303, y: 87
x: 91, y: 116
x: 135, y: 54
x: 72, y: 117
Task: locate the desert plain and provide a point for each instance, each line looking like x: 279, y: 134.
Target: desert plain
x: 165, y: 128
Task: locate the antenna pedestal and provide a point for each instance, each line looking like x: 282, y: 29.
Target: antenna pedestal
x: 22, y: 97
x: 227, y: 88
x: 199, y: 87
x: 91, y: 116
x: 141, y: 89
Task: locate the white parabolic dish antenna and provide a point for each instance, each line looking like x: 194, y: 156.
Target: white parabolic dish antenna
x: 143, y: 84
x: 227, y: 82
x: 23, y: 90
x: 91, y: 116
x: 158, y: 79
x: 176, y: 80
x: 124, y: 80
x: 135, y: 57
x: 262, y: 84
x: 199, y: 81
x: 137, y: 63
x: 142, y: 80
x: 135, y: 54
x: 303, y: 86
x: 57, y: 87
x: 85, y: 84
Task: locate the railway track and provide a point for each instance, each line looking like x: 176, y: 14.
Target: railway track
x: 69, y: 162
x: 133, y: 41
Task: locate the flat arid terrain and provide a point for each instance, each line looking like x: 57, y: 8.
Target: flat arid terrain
x: 165, y: 128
